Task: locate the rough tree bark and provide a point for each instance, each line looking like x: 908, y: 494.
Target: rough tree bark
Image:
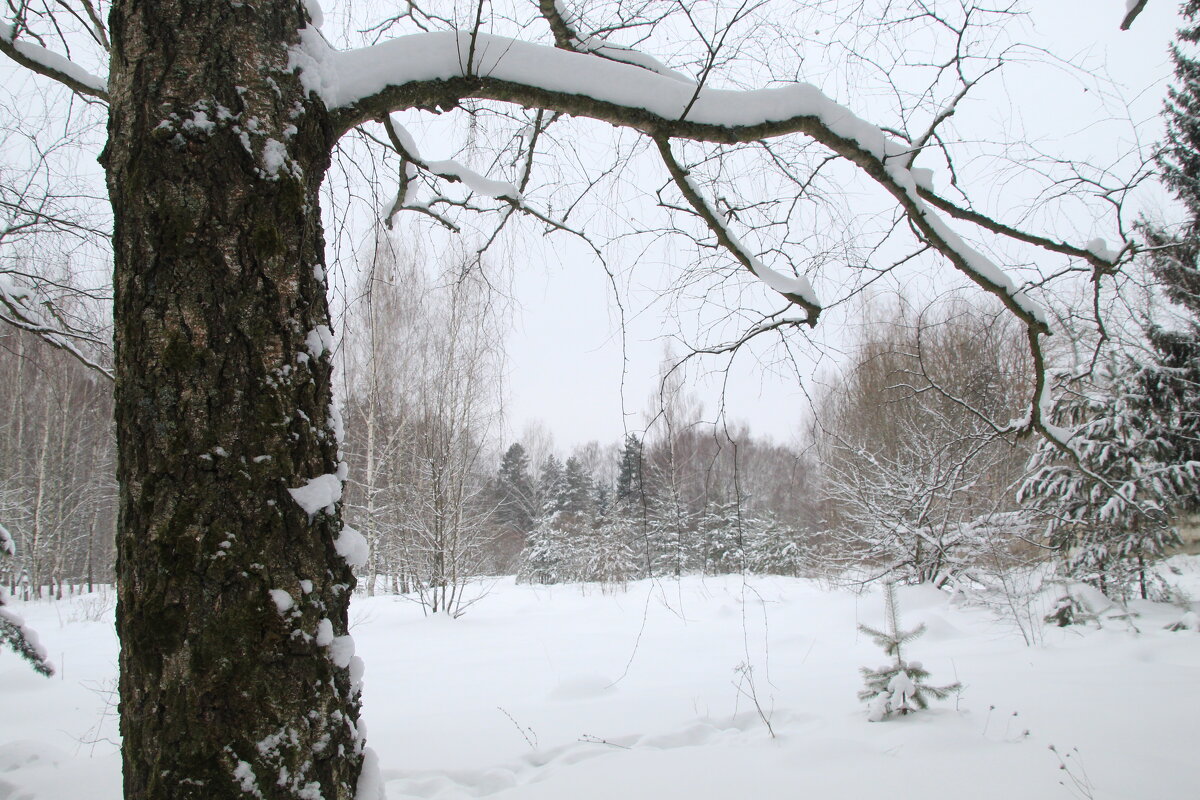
x: 214, y: 162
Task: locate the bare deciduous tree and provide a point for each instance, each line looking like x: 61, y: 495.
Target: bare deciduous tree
x: 912, y: 470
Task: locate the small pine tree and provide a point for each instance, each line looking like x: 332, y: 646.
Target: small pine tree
x: 1068, y: 610
x: 548, y: 556
x: 897, y: 688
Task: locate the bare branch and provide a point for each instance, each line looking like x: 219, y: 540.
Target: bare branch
x: 727, y: 240
x: 51, y: 65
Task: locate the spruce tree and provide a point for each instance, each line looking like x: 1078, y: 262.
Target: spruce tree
x: 897, y: 688
x: 577, y: 489
x: 635, y: 501
x: 630, y: 474
x: 1137, y: 425
x: 550, y: 487
x: 1109, y: 515
x: 549, y: 555
x: 515, y: 504
x: 722, y: 538
x: 1170, y: 383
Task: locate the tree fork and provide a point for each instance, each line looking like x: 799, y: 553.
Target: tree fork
x: 229, y: 687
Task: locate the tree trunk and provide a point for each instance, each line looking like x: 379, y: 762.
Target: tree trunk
x: 223, y: 403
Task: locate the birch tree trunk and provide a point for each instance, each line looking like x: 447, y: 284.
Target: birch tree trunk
x: 223, y: 403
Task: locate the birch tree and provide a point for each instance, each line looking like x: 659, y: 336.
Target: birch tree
x: 237, y: 673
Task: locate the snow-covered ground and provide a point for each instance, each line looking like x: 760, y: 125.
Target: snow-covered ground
x: 568, y: 692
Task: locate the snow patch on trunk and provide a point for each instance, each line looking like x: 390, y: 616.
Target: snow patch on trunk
x: 352, y: 546
x: 283, y: 601
x: 321, y: 492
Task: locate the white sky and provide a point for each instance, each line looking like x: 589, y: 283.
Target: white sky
x: 566, y: 366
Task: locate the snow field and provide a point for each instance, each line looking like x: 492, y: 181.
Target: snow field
x: 568, y: 692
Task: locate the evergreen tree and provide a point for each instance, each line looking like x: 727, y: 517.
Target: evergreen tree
x: 609, y: 558
x: 576, y: 489
x: 1111, y: 518
x: 603, y: 500
x: 1138, y: 425
x: 549, y: 556
x: 722, y: 539
x: 897, y: 688
x: 631, y: 487
x: 1170, y: 383
x: 634, y: 501
x: 550, y: 487
x: 515, y: 503
x: 772, y: 548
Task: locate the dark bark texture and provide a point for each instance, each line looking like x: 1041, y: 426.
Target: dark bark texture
x: 214, y: 163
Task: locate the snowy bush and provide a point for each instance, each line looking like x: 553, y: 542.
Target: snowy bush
x: 13, y: 632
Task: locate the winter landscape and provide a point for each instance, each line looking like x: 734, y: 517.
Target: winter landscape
x: 599, y: 399
x: 706, y: 688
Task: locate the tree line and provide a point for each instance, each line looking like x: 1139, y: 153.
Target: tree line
x: 57, y: 472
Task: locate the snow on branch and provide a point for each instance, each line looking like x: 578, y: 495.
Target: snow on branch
x: 52, y: 65
x: 451, y: 170
x: 431, y: 71
x: 1132, y: 9
x: 18, y: 310
x: 437, y: 71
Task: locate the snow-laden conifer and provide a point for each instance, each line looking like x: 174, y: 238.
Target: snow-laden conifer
x: 1108, y: 510
x: 1169, y: 380
x: 897, y: 688
x: 22, y: 640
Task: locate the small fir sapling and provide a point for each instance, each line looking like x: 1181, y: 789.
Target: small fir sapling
x: 1069, y: 610
x: 897, y: 688
x: 1190, y: 621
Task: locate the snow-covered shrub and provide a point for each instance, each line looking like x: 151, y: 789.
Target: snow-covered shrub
x: 1068, y: 610
x: 549, y: 555
x: 1190, y: 621
x: 13, y: 632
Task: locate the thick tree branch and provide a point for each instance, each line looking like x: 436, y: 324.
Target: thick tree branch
x: 626, y: 96
x: 1132, y: 14
x: 51, y: 65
